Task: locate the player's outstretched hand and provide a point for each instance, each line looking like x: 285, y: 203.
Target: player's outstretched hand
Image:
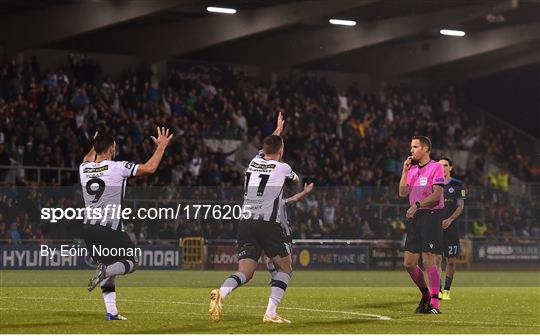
x: 163, y: 138
x: 308, y: 187
x: 280, y: 123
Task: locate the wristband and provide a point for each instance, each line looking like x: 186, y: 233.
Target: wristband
x: 417, y: 204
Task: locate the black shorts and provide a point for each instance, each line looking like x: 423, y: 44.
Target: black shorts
x: 255, y: 236
x: 424, y: 232
x: 451, y: 245
x: 107, y: 238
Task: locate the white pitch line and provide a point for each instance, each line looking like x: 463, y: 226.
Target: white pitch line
x: 195, y: 314
x: 92, y: 311
x: 371, y: 316
x: 365, y: 315
x: 378, y: 317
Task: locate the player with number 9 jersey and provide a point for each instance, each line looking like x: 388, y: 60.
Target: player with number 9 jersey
x: 104, y: 186
x: 103, y: 182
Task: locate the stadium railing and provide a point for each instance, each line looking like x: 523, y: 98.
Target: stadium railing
x: 8, y: 174
x: 384, y: 211
x: 532, y: 190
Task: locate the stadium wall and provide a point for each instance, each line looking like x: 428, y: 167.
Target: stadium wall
x: 30, y: 257
x: 483, y: 254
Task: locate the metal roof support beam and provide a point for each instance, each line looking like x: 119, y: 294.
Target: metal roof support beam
x: 36, y: 28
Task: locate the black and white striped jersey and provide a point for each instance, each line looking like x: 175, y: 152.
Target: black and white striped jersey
x: 103, y: 186
x: 263, y: 188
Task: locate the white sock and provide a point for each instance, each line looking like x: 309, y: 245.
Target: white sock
x: 231, y: 283
x: 120, y: 268
x: 109, y: 295
x: 277, y: 290
x: 110, y: 302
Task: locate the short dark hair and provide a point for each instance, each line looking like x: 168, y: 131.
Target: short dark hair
x: 447, y: 159
x: 424, y: 140
x: 272, y: 144
x: 102, y: 143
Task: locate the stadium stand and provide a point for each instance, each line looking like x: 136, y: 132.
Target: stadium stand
x: 351, y: 143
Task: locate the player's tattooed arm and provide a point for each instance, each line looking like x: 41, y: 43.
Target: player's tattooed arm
x: 162, y: 141
x: 280, y: 123
x: 298, y: 196
x: 403, y: 187
x: 91, y: 155
x: 460, y: 206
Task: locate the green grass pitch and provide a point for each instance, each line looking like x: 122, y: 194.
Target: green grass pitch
x: 316, y: 302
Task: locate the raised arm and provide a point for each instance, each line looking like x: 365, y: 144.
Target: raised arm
x: 162, y: 141
x: 91, y: 155
x: 280, y: 123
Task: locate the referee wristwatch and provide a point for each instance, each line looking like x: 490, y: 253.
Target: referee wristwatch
x: 417, y: 204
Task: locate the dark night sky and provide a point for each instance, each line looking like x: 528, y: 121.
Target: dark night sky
x: 512, y: 95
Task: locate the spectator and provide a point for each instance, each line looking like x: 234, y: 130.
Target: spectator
x: 131, y: 234
x: 355, y: 140
x: 479, y: 228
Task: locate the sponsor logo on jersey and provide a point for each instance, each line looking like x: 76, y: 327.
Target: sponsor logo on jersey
x: 96, y: 169
x: 262, y: 166
x: 423, y: 181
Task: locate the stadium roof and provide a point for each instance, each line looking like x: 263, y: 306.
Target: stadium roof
x: 391, y: 38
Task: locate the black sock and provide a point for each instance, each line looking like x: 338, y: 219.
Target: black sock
x: 425, y: 293
x: 448, y: 283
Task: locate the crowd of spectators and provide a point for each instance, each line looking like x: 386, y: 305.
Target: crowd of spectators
x: 351, y: 141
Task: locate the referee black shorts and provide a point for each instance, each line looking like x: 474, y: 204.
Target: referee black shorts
x: 424, y: 232
x: 255, y: 236
x: 107, y: 238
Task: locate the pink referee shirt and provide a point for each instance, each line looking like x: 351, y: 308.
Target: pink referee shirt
x: 421, y: 179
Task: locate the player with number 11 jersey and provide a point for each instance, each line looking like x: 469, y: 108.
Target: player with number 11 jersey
x: 262, y: 232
